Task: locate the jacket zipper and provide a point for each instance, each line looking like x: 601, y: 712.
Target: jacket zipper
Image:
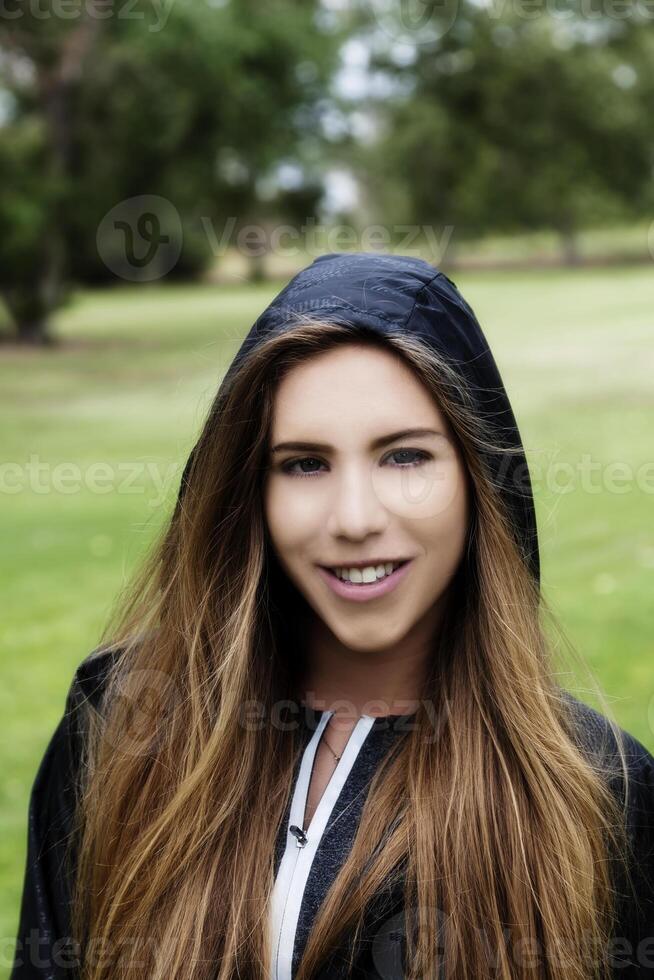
x: 301, y: 840
x: 301, y: 865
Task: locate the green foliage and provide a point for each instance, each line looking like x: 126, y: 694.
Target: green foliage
x: 191, y: 101
x: 195, y: 113
x: 26, y: 217
x: 518, y: 120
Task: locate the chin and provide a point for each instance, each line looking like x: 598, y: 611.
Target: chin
x: 370, y: 641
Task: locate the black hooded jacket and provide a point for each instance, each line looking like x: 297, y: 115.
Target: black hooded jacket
x: 383, y: 293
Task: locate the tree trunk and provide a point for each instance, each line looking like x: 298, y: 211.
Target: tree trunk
x: 257, y: 268
x: 33, y: 333
x: 570, y: 247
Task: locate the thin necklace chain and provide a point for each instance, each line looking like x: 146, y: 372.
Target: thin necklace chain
x: 337, y: 757
x: 324, y: 738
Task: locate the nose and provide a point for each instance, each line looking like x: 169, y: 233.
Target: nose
x: 355, y: 509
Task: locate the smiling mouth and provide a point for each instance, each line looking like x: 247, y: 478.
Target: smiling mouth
x: 365, y: 575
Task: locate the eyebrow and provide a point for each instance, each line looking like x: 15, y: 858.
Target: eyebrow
x: 377, y: 443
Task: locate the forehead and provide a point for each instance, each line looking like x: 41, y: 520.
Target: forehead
x: 352, y: 385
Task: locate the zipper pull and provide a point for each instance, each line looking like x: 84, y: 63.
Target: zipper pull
x: 299, y: 834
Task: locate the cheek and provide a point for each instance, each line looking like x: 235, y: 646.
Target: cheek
x: 430, y: 494
x: 291, y: 518
x: 273, y: 506
x: 445, y: 531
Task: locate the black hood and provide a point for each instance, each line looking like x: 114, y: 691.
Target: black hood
x: 403, y: 294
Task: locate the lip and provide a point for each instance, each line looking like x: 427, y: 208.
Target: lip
x: 371, y: 590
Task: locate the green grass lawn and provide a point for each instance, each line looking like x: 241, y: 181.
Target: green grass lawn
x: 130, y: 387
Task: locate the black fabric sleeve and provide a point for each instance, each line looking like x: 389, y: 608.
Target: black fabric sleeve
x: 44, y: 946
x: 633, y: 943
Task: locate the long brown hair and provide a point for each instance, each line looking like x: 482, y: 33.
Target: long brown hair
x: 502, y: 825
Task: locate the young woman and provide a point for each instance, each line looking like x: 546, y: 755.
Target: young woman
x: 324, y: 736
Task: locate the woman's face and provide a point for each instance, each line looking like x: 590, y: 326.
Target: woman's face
x: 344, y: 489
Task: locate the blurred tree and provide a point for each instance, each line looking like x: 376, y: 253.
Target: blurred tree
x: 29, y: 251
x: 512, y: 119
x: 43, y: 60
x: 159, y: 118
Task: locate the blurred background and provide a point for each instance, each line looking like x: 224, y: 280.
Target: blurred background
x: 167, y: 165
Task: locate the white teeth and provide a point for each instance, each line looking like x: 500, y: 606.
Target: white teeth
x: 368, y: 574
